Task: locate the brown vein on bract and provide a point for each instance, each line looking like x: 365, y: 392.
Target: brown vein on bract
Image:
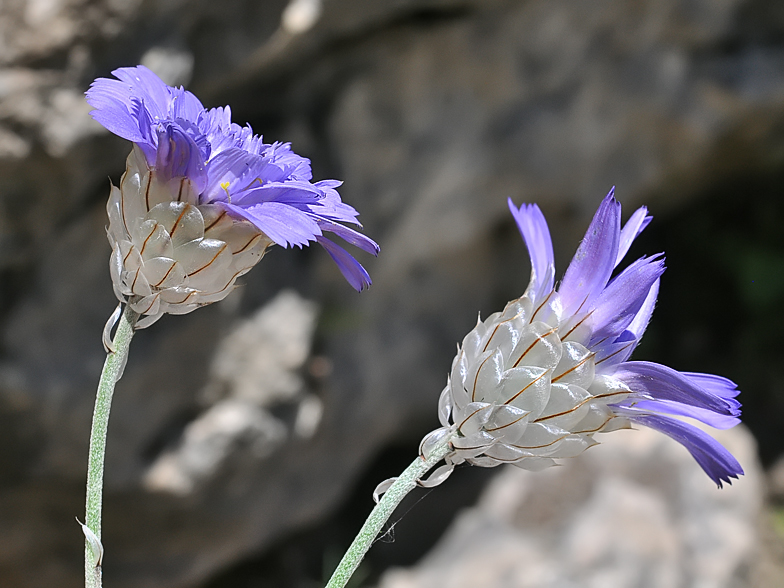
x: 597, y: 429
x: 571, y: 369
x: 579, y: 308
x: 127, y: 255
x: 179, y: 192
x: 163, y: 279
x: 624, y: 348
x: 188, y: 295
x: 504, y: 460
x: 151, y: 304
x: 141, y: 253
x: 234, y: 277
x: 517, y: 420
x: 491, y: 337
x: 213, y: 223
x: 136, y: 277
x: 122, y: 211
x: 581, y: 321
x: 194, y: 293
x: 253, y: 240
x: 531, y: 383
x: 179, y: 218
x: 210, y: 262
x: 609, y: 394
x: 584, y: 401
x: 541, y: 337
x: 485, y: 446
x: 539, y: 446
x: 545, y: 301
x: 469, y: 416
x: 147, y: 191
x: 498, y: 325
x: 552, y: 416
x: 476, y: 379
x: 518, y: 315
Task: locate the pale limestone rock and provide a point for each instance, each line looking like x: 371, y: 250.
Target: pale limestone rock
x: 433, y: 112
x: 633, y: 512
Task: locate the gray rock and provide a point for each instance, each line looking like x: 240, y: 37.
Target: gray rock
x: 433, y: 112
x: 256, y: 367
x: 635, y: 511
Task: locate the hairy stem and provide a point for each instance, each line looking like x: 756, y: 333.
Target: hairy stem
x: 381, y: 513
x: 112, y: 371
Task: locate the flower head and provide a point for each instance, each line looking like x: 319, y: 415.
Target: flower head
x: 535, y: 382
x: 188, y: 155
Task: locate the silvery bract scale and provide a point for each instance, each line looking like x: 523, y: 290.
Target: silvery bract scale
x: 169, y: 253
x: 536, y: 382
x: 519, y: 394
x: 199, y: 157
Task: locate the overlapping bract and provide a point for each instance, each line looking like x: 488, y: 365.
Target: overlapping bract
x: 535, y: 382
x: 171, y: 254
x: 226, y: 167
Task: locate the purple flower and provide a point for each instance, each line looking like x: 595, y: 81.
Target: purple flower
x: 227, y: 165
x: 535, y: 382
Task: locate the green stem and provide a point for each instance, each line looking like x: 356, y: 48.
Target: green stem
x: 112, y: 371
x: 381, y: 513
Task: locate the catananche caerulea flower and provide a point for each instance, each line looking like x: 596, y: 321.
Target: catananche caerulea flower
x: 535, y: 382
x: 202, y: 198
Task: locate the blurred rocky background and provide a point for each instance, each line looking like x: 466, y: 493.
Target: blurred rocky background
x: 246, y: 438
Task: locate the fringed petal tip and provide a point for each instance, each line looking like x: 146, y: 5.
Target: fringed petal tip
x: 633, y: 227
x: 266, y: 184
x: 584, y: 333
x: 618, y: 305
x: 594, y: 262
x: 660, y: 382
x: 352, y: 270
x: 712, y: 456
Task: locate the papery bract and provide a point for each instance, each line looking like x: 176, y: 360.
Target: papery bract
x: 224, y: 180
x: 535, y: 382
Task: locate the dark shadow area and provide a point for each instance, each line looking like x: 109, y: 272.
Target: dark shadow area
x: 307, y: 558
x: 721, y: 303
